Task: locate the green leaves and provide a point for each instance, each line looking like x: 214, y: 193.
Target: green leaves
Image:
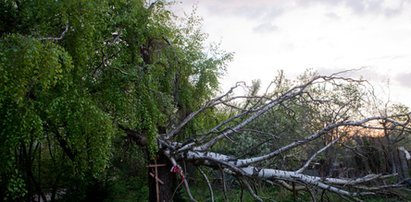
x: 72, y: 70
x: 15, y: 187
x: 86, y: 130
x: 28, y: 65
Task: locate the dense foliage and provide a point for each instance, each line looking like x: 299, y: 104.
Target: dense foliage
x: 73, y: 72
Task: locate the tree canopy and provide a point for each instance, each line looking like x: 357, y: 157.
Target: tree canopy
x: 74, y: 74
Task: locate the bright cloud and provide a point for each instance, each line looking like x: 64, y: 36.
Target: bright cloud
x: 327, y: 35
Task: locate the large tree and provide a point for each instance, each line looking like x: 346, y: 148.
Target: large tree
x: 76, y: 74
x: 79, y: 76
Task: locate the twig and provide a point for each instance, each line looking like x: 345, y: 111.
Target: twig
x: 290, y: 187
x: 210, y: 188
x: 255, y: 196
x: 224, y: 184
x: 312, y: 194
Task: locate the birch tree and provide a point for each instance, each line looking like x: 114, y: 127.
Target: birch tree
x: 207, y: 147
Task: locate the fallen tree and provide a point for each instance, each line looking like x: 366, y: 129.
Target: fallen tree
x: 199, y: 149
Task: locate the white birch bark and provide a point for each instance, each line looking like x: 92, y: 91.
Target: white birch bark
x: 199, y: 149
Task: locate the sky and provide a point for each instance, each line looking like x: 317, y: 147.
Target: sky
x: 325, y: 35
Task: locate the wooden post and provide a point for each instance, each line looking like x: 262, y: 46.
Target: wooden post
x: 162, y: 182
x: 155, y: 176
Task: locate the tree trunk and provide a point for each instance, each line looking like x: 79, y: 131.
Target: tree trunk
x: 403, y: 164
x: 162, y: 188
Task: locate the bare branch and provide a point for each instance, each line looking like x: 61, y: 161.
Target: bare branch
x: 224, y: 184
x: 316, y: 153
x: 255, y: 196
x: 337, y: 125
x: 346, y: 71
x: 209, y: 104
x: 286, y: 96
x: 187, y: 187
x: 245, y: 162
x: 288, y: 186
x: 57, y: 38
x: 378, y: 188
x: 210, y: 188
x: 266, y: 173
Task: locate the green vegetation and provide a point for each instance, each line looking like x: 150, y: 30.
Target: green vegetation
x: 73, y: 71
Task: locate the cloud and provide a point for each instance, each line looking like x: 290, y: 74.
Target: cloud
x: 390, y: 57
x: 253, y: 10
x: 363, y: 7
x: 265, y: 28
x: 268, y: 10
x: 404, y: 79
x: 332, y: 16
